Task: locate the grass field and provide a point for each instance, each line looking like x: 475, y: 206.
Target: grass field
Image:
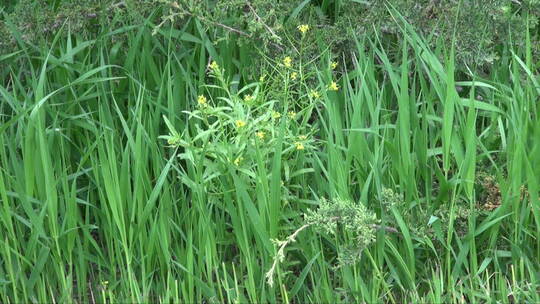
x: 158, y: 168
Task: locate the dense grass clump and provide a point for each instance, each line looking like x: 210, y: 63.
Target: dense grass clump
x: 161, y: 165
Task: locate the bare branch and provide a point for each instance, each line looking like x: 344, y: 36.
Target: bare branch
x: 385, y: 228
x: 224, y: 26
x: 269, y: 29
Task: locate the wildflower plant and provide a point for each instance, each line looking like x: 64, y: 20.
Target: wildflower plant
x: 240, y: 129
x: 242, y: 126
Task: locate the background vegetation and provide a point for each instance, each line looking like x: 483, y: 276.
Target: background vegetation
x: 211, y: 151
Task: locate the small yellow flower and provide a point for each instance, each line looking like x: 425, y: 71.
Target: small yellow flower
x: 299, y: 146
x: 104, y: 284
x: 303, y: 28
x: 262, y: 78
x: 294, y: 75
x: 287, y: 62
x: 333, y: 65
x: 292, y: 114
x: 240, y: 123
x: 214, y: 66
x: 173, y: 141
x: 248, y: 98
x: 314, y: 94
x: 302, y: 137
x: 333, y: 86
x: 238, y: 160
x: 276, y: 115
x: 201, y: 100
x: 260, y: 134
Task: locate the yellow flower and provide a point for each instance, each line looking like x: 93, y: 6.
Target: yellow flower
x: 333, y: 65
x: 238, y: 160
x: 302, y: 137
x: 201, y: 100
x: 173, y: 141
x: 214, y: 66
x: 240, y: 123
x: 299, y: 146
x: 333, y: 86
x: 262, y: 78
x: 292, y: 114
x: 248, y: 98
x: 294, y: 75
x: 287, y: 62
x: 303, y: 28
x: 276, y: 115
x: 260, y: 134
x: 314, y: 94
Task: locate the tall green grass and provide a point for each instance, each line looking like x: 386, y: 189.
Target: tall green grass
x: 96, y: 208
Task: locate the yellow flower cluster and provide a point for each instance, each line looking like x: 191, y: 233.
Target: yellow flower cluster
x: 294, y: 75
x: 238, y: 160
x: 287, y: 62
x: 201, y: 100
x: 214, y: 66
x: 314, y: 94
x: 248, y: 98
x: 276, y: 115
x: 240, y: 123
x: 260, y: 135
x: 333, y: 65
x: 303, y: 28
x: 292, y: 114
x: 299, y: 145
x: 333, y: 86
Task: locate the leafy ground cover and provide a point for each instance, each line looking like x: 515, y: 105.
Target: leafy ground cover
x: 158, y: 164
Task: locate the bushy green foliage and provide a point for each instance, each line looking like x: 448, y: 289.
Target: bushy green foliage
x: 341, y: 218
x: 37, y: 23
x: 479, y: 27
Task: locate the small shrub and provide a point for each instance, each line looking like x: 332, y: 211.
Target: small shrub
x: 339, y: 218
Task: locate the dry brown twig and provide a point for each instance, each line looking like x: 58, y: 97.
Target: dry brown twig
x: 280, y: 255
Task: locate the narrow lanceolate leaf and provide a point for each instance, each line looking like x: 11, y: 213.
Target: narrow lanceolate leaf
x: 469, y: 164
x: 448, y: 127
x: 404, y: 115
